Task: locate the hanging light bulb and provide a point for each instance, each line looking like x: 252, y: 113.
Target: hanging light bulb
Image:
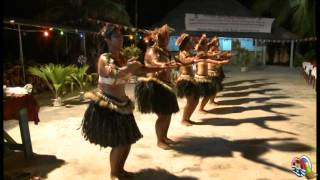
x: 12, y: 21
x: 146, y: 40
x: 61, y: 33
x: 46, y: 33
x: 81, y: 35
x: 50, y: 29
x: 130, y: 37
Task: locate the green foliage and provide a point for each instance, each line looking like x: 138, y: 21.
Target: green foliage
x: 55, y: 76
x: 311, y: 54
x: 299, y: 13
x: 243, y: 57
x: 131, y: 51
x: 298, y: 59
x: 81, y: 77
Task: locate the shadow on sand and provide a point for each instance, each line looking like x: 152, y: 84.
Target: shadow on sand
x: 241, y: 88
x: 247, y: 93
x: 233, y: 83
x: 39, y: 165
x: 259, y: 121
x: 239, y: 109
x: 250, y: 149
x: 159, y: 174
x: 247, y: 100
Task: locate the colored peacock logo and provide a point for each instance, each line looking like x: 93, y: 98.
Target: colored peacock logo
x: 302, y: 166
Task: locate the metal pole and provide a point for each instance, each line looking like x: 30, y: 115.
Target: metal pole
x: 136, y: 15
x: 136, y: 22
x: 291, y: 54
x: 255, y: 48
x: 84, y: 45
x: 67, y: 49
x: 264, y: 54
x: 21, y: 55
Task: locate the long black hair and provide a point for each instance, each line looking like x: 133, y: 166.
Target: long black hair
x: 107, y: 30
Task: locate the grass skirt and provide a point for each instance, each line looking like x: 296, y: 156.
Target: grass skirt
x: 105, y: 126
x: 154, y: 96
x: 187, y: 87
x: 216, y: 82
x: 221, y: 74
x: 206, y: 89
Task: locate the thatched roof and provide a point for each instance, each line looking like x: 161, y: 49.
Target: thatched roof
x: 176, y: 18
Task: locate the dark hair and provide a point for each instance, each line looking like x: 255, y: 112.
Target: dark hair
x: 184, y: 43
x: 109, y: 29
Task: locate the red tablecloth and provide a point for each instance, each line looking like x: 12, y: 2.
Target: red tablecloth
x: 12, y: 105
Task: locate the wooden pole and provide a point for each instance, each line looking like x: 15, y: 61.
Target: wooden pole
x: 264, y: 54
x: 84, y: 45
x: 291, y: 54
x: 21, y: 55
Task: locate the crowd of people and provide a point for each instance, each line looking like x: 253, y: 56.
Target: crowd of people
x: 109, y: 121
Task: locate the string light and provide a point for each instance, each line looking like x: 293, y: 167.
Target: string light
x: 46, y: 33
x: 131, y: 37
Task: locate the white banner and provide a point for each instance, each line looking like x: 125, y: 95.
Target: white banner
x: 201, y: 22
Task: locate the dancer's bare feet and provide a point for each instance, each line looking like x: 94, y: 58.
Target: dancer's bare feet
x: 114, y: 177
x: 186, y: 122
x: 170, y: 141
x: 163, y: 145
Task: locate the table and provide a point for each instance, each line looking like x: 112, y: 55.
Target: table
x: 23, y: 108
x: 13, y: 104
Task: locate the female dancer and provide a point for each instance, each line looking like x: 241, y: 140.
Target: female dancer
x: 186, y: 85
x: 215, y: 70
x: 154, y: 94
x: 108, y: 120
x: 202, y: 78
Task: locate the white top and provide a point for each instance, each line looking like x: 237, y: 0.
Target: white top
x: 308, y: 68
x: 314, y: 72
x: 110, y: 81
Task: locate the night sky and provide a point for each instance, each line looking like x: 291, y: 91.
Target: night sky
x: 150, y: 12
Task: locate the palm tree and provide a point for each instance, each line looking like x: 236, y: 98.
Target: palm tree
x: 55, y: 76
x: 81, y: 78
x: 299, y: 13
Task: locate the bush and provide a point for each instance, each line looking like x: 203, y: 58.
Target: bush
x: 55, y: 76
x: 131, y: 51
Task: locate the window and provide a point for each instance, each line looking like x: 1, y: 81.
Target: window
x: 225, y: 43
x: 247, y: 43
x: 172, y: 43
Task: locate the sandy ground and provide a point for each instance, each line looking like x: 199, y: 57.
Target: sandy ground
x: 265, y: 118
